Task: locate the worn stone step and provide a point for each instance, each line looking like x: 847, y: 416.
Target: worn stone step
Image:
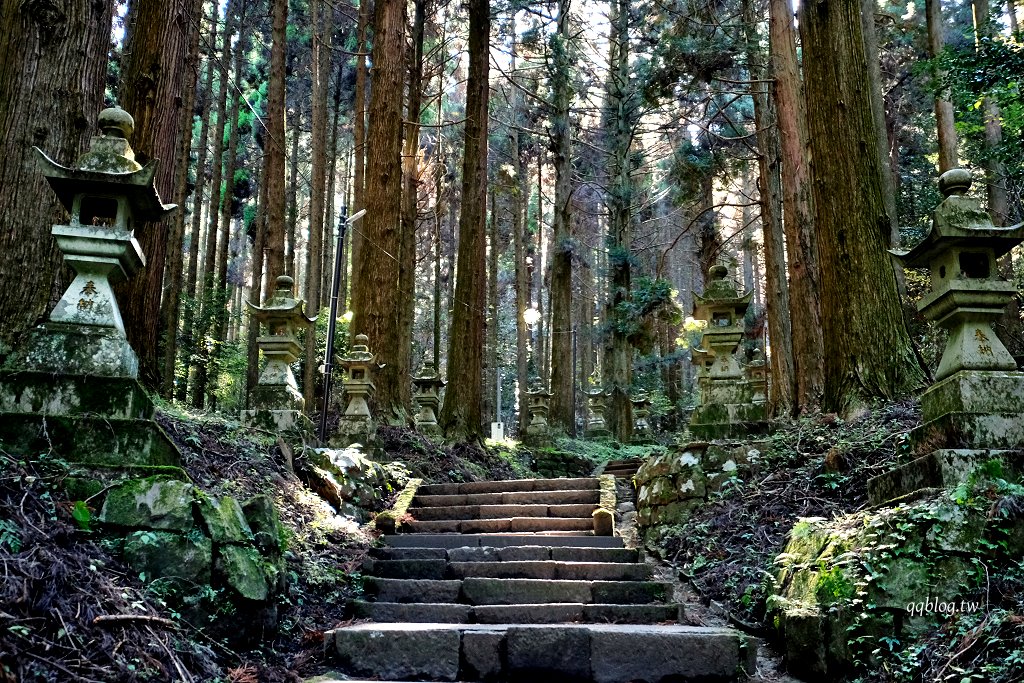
x: 575, y: 571
x: 518, y: 553
x: 571, y: 497
x: 592, y: 653
x: 453, y: 540
x: 407, y: 569
x: 501, y: 511
x: 510, y: 485
x: 508, y: 524
x: 452, y: 613
x: 412, y: 590
x: 513, y: 591
x: 497, y: 591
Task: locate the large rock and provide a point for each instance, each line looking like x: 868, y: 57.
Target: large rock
x: 245, y: 571
x: 161, y: 554
x: 379, y: 651
x: 158, y: 502
x: 224, y: 520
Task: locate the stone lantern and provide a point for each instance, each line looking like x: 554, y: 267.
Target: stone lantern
x: 757, y: 377
x: 726, y: 409
x: 538, y: 431
x: 976, y: 405
x: 356, y: 424
x: 642, y: 432
x: 77, y: 371
x: 427, y: 395
x: 277, y: 403
x: 596, y: 428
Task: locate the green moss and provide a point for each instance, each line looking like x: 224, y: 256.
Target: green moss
x: 388, y: 521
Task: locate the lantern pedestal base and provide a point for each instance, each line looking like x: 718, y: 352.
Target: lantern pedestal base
x: 941, y: 469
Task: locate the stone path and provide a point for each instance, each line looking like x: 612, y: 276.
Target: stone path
x: 506, y: 581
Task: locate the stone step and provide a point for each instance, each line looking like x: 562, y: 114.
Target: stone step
x: 510, y: 569
x: 512, y: 591
x: 518, y: 553
x: 508, y: 524
x: 593, y: 653
x: 454, y: 540
x: 509, y: 498
x: 509, y: 485
x: 552, y: 613
x: 464, y: 512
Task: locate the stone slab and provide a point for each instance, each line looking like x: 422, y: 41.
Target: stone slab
x: 419, y: 612
x: 406, y: 569
x: 510, y: 485
x: 386, y: 553
x: 412, y: 590
x: 631, y: 592
x: 974, y: 391
x: 499, y: 541
x: 944, y: 468
x: 427, y: 653
x: 551, y: 524
x: 488, y: 591
x: 45, y: 393
x: 968, y: 430
x: 90, y: 440
x: 628, y: 653
x: 483, y: 655
x: 560, y: 653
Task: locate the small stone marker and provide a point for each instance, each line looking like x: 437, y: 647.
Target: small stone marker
x: 277, y: 403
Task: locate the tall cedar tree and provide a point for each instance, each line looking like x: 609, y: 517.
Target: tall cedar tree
x: 798, y: 204
x: 53, y: 66
x: 153, y: 78
x: 321, y: 19
x: 174, y: 270
x: 782, y: 388
x: 562, y: 408
x: 868, y: 352
x: 359, y: 142
x: 377, y: 300
x: 618, y: 356
x: 270, y: 230
x: 461, y: 416
x: 945, y: 122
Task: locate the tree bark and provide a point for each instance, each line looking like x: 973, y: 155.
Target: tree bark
x: 944, y: 118
x: 359, y: 143
x: 321, y: 20
x: 273, y: 161
x: 198, y: 199
x: 53, y: 65
x: 560, y: 293
x: 410, y: 201
x: 460, y: 414
x: 152, y: 79
x: 173, y: 271
x: 782, y: 332
x: 804, y: 354
x: 376, y: 298
x: 868, y: 353
x: 618, y: 357
x: 520, y: 196
x: 995, y: 170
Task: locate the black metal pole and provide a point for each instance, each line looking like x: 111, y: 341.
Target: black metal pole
x: 332, y: 322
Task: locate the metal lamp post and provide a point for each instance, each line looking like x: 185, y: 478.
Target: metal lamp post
x: 332, y: 322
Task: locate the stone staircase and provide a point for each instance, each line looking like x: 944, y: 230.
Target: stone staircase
x: 506, y: 581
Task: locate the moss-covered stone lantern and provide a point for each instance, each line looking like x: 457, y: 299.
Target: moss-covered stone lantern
x: 597, y: 428
x: 757, y: 377
x: 77, y: 371
x: 538, y: 431
x: 427, y: 395
x: 276, y: 402
x: 976, y: 406
x: 642, y: 432
x: 727, y: 408
x: 356, y: 424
